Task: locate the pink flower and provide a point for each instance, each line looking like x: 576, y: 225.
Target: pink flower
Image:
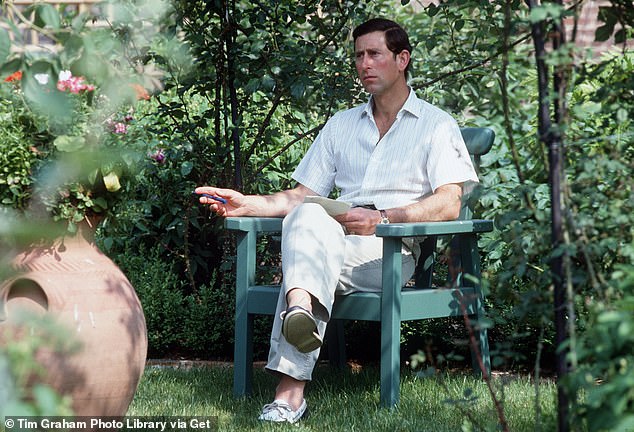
x: 158, y: 156
x: 116, y: 127
x: 73, y: 84
x: 120, y: 128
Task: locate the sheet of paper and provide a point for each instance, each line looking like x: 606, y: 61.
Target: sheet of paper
x: 332, y: 207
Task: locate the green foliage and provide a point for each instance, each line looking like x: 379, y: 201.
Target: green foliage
x: 615, y: 15
x: 209, y: 321
x: 602, y: 246
x: 598, y: 190
x: 16, y: 160
x: 605, y: 355
x: 159, y: 208
x: 71, y: 102
x: 262, y: 104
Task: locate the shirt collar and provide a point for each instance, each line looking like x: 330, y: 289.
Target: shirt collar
x: 411, y: 105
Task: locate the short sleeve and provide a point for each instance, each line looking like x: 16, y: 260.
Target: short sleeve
x: 317, y: 169
x: 449, y: 160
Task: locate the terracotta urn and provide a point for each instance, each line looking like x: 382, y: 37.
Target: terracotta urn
x: 78, y: 287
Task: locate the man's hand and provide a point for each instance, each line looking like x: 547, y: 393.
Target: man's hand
x: 235, y: 204
x: 359, y: 220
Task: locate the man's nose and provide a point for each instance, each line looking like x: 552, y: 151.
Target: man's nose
x: 363, y: 62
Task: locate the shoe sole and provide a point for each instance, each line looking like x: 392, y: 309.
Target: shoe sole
x: 299, y: 329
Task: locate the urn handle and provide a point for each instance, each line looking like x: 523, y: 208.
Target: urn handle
x: 22, y: 294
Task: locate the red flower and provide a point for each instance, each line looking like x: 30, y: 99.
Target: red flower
x: 141, y: 92
x: 15, y: 76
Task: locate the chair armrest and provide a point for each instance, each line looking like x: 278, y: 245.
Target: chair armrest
x: 415, y: 229
x: 257, y: 224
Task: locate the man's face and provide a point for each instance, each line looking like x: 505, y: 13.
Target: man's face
x: 377, y: 66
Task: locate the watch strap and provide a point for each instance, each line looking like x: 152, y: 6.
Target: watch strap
x: 384, y: 218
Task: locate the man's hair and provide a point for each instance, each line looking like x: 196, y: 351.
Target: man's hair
x: 396, y: 37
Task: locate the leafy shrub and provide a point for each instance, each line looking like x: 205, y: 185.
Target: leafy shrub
x: 209, y: 321
x: 604, y: 379
x: 159, y: 208
x: 17, y: 159
x: 602, y: 250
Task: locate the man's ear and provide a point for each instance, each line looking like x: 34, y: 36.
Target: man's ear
x: 403, y: 59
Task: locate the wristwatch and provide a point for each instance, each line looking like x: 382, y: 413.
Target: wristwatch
x: 384, y: 218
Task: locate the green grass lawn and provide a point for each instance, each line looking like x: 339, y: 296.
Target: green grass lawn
x: 347, y: 401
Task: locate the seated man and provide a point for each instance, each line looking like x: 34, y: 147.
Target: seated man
x: 396, y: 159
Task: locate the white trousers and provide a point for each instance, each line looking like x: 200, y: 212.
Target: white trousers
x: 320, y: 258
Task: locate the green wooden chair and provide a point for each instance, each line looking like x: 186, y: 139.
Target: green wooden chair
x: 394, y: 304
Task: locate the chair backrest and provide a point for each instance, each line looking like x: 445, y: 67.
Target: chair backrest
x: 479, y: 141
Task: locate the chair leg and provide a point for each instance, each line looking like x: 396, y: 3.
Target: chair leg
x: 391, y: 322
x: 483, y: 341
x: 470, y: 260
x: 336, y: 343
x: 390, y: 363
x: 243, y: 356
x: 243, y: 344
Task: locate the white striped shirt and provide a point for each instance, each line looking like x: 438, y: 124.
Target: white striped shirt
x: 422, y: 150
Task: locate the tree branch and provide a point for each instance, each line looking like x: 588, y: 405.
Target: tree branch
x: 278, y: 97
x: 470, y: 67
x: 283, y: 149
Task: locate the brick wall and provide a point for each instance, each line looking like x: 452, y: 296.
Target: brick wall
x: 587, y: 25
